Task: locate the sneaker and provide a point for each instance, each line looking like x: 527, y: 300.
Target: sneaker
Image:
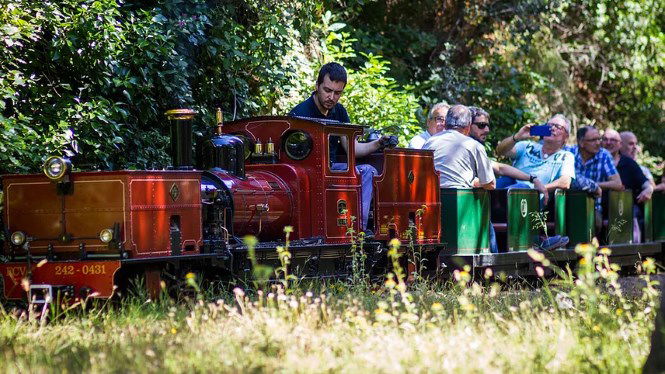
x: 554, y: 242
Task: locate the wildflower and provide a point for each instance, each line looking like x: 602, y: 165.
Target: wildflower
x: 488, y: 273
x: 190, y: 276
x: 540, y: 271
x: 605, y: 251
x: 288, y: 229
x: 563, y: 301
x: 173, y: 330
x: 596, y: 328
x: 238, y: 292
x: 583, y: 261
x: 437, y: 307
x: 619, y: 311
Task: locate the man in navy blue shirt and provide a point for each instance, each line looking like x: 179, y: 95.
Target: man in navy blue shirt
x: 323, y: 104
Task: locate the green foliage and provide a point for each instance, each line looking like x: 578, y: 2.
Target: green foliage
x: 108, y: 70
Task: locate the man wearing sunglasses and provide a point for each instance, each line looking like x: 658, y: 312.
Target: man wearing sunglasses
x: 436, y: 122
x: 480, y: 127
x: 546, y: 161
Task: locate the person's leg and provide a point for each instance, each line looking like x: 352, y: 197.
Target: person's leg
x: 367, y: 172
x: 494, y: 247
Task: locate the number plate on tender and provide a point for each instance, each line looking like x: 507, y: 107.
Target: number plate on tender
x: 95, y: 275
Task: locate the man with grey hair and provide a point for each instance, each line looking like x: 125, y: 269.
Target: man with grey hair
x: 462, y: 161
x: 548, y: 162
x: 436, y: 121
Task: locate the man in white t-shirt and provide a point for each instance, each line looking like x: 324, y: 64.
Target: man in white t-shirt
x: 461, y: 160
x: 436, y: 121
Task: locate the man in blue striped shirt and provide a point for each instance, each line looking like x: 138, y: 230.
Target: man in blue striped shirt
x: 594, y: 169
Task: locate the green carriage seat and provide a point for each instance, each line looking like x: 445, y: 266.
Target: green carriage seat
x: 513, y: 218
x: 465, y: 218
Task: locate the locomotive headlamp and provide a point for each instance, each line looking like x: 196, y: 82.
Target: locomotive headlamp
x: 56, y: 168
x: 18, y: 238
x: 106, y: 235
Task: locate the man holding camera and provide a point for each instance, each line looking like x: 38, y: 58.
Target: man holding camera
x: 548, y: 162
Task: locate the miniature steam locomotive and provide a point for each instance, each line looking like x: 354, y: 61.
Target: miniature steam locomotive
x: 82, y: 234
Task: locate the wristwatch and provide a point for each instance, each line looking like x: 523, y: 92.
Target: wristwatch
x: 532, y: 178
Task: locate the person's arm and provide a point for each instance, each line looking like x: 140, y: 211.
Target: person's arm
x: 563, y: 182
x: 489, y: 186
x: 515, y: 173
x: 614, y: 183
x: 484, y: 168
x: 506, y: 147
x: 661, y: 185
x: 363, y: 149
x: 647, y: 191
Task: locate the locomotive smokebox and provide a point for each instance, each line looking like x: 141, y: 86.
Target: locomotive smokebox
x: 181, y: 138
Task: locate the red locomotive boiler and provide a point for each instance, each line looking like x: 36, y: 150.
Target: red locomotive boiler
x: 83, y: 233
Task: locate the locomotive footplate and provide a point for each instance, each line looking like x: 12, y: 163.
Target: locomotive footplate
x: 520, y: 263
x: 81, y: 278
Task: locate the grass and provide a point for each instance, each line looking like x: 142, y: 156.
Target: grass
x: 572, y: 324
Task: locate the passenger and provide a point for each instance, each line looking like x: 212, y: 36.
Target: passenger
x: 461, y: 161
x: 549, y: 162
x: 629, y: 171
x: 436, y: 122
x: 631, y: 175
x: 594, y: 169
x: 630, y: 148
x: 480, y: 127
x: 323, y: 104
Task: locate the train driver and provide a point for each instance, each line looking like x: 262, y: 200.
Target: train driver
x: 323, y: 104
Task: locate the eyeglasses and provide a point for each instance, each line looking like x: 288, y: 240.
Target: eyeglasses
x: 440, y: 119
x: 611, y: 140
x: 481, y: 125
x: 592, y: 140
x: 556, y: 126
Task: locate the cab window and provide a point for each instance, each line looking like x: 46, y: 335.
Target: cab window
x: 338, y: 160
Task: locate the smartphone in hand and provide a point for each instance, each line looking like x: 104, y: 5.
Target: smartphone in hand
x: 540, y: 130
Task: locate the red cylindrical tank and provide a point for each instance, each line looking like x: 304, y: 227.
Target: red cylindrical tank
x: 262, y: 202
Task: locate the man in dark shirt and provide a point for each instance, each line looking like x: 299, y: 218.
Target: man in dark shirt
x: 630, y: 172
x: 631, y: 175
x: 323, y: 104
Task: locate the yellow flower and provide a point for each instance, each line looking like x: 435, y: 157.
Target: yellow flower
x: 596, y: 328
x: 605, y: 251
x: 173, y: 330
x: 619, y: 312
x: 437, y: 307
x: 190, y: 276
x: 583, y: 261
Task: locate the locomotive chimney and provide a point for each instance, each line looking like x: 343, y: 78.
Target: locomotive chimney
x: 181, y: 138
